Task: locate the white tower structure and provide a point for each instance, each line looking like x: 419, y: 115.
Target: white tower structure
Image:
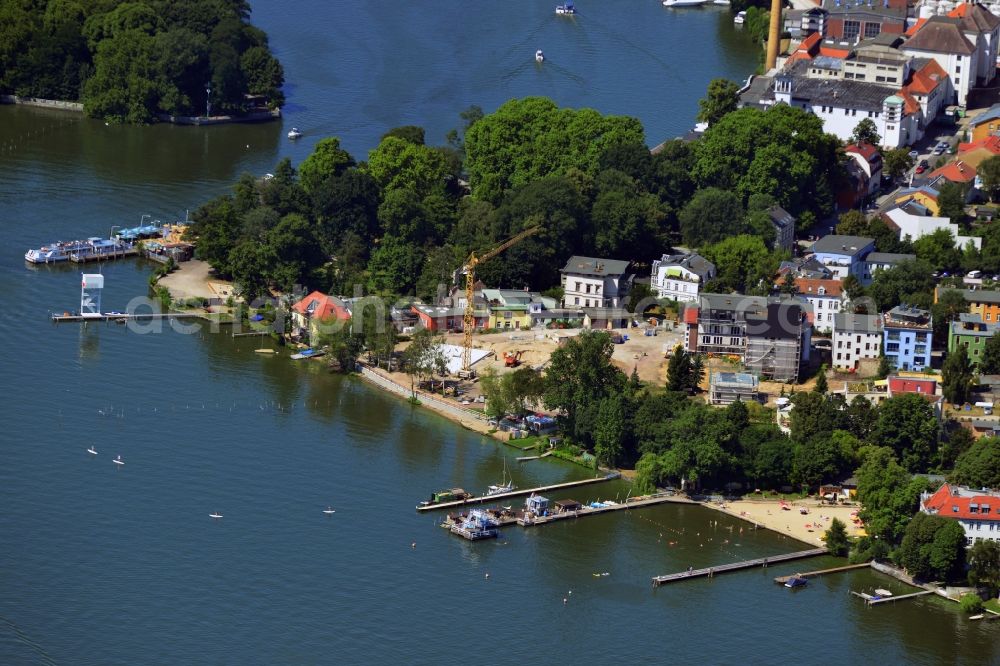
x: 90, y: 294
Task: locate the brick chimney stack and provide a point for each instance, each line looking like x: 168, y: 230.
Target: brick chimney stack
x: 773, y: 36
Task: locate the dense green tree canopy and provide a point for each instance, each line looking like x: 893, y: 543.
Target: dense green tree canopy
x: 907, y: 424
x: 979, y: 466
x: 889, y: 496
x: 526, y: 139
x: 933, y: 548
x: 128, y: 61
x: 722, y: 97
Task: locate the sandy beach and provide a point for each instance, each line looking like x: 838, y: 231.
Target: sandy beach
x: 808, y: 528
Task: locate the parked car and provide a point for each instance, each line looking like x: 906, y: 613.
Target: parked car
x: 923, y: 166
x: 913, y: 154
x: 941, y: 147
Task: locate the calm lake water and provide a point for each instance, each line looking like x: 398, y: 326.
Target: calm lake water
x: 107, y: 565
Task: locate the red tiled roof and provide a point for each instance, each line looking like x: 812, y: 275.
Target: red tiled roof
x: 926, y: 79
x: 690, y: 315
x: 908, y: 385
x: 975, y: 17
x: 956, y: 172
x: 910, y: 105
x: 948, y: 505
x: 810, y: 43
x: 318, y: 305
x: 990, y: 143
x: 866, y: 150
x: 811, y: 286
x: 915, y: 27
x: 831, y: 52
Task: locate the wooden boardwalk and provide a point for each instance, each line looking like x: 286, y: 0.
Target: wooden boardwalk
x: 872, y: 601
x: 709, y: 572
x: 516, y: 493
x: 781, y: 580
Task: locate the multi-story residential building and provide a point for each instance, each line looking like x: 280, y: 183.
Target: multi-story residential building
x: 977, y: 511
x: 595, y: 283
x: 680, y: 276
x: 869, y: 159
x: 825, y: 297
x: 907, y: 337
x: 511, y: 308
x: 971, y: 332
x: 784, y: 228
x: 985, y: 125
x: 882, y: 261
x: 843, y: 255
x: 770, y: 335
x: 982, y: 302
x: 856, y: 337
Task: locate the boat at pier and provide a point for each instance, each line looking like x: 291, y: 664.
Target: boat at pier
x: 506, y: 484
x: 443, y: 496
x: 479, y: 524
x: 796, y: 581
x: 61, y: 251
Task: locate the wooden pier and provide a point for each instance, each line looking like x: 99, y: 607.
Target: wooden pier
x: 516, y: 493
x: 781, y: 580
x: 873, y: 600
x: 632, y: 503
x: 124, y: 316
x: 709, y: 572
x: 86, y: 257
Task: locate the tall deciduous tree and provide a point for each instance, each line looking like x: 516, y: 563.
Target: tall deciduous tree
x: 907, y: 424
x: 957, y: 376
x: 984, y: 565
x: 866, y: 131
x: 979, y: 465
x: 933, y: 548
x: 722, y: 98
x: 889, y: 496
x: 989, y: 364
x: 326, y: 160
x: 711, y: 215
x: 989, y: 171
x: 896, y: 162
x: 951, y: 202
x: 837, y: 542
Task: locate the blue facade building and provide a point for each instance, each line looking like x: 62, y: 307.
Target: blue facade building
x: 907, y: 337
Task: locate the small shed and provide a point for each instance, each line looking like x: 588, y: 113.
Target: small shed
x: 563, y: 506
x: 536, y: 504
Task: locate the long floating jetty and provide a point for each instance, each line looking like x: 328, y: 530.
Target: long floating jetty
x: 517, y: 493
x: 709, y: 572
x: 633, y: 503
x: 781, y: 580
x: 86, y: 257
x: 873, y: 600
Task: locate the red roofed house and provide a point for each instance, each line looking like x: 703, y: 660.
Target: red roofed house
x: 977, y: 152
x: 930, y: 88
x: 870, y: 161
x: 977, y: 511
x: 925, y: 387
x: 956, y: 172
x: 316, y: 311
x: 825, y: 297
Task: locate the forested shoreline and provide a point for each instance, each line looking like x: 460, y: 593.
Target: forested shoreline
x: 130, y: 61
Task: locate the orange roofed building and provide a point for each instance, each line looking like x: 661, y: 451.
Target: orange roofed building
x: 977, y: 511
x: 315, y: 311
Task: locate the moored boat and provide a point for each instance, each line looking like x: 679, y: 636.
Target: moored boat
x: 479, y: 524
x: 444, y: 496
x: 796, y: 581
x: 59, y: 251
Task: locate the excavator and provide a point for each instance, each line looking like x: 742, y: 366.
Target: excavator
x: 512, y: 359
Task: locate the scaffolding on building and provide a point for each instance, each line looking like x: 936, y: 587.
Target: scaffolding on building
x: 725, y: 388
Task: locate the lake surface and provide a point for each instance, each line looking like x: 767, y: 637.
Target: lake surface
x: 108, y: 565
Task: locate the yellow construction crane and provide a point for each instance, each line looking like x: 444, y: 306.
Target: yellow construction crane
x: 469, y: 320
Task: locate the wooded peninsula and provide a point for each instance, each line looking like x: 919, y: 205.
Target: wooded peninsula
x: 130, y: 61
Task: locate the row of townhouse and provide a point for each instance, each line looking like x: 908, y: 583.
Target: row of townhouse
x: 904, y: 334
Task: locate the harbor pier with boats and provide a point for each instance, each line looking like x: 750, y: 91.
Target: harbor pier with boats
x: 455, y: 497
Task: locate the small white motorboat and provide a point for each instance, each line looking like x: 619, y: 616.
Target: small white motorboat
x: 119, y: 461
x: 683, y: 3
x: 92, y: 451
x: 328, y: 510
x: 539, y: 56
x: 566, y: 9
x: 740, y: 18
x: 294, y: 133
x: 215, y: 514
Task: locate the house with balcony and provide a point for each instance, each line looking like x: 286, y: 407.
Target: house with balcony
x: 317, y: 313
x: 977, y: 511
x: 825, y: 297
x: 588, y: 282
x: 770, y: 336
x: 907, y: 335
x: 856, y: 337
x: 843, y: 255
x: 680, y: 276
x: 982, y: 302
x: 970, y: 331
